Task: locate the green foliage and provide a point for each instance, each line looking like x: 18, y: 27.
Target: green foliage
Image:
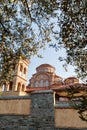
x: 20, y: 34
x: 78, y: 102
x: 81, y: 106
x: 73, y: 34
x: 73, y: 38
x: 27, y: 25
x: 25, y: 28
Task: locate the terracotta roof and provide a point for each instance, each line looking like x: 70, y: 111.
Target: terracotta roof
x: 71, y: 78
x: 64, y: 87
x: 36, y: 89
x: 57, y: 87
x: 45, y: 65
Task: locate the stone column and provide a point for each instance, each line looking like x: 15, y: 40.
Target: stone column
x: 42, y: 111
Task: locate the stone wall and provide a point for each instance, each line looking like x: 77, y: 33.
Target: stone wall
x: 41, y: 115
x: 42, y: 111
x: 14, y: 122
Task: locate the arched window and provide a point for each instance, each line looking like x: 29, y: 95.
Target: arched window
x: 47, y: 83
x: 10, y: 86
x: 21, y: 69
x: 36, y: 84
x: 23, y: 87
x: 25, y: 71
x: 4, y: 87
x: 19, y: 87
x: 41, y: 83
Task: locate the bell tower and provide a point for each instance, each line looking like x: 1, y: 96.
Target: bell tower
x: 16, y: 87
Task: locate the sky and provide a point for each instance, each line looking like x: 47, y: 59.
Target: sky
x: 50, y: 56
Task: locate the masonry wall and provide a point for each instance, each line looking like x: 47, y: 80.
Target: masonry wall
x: 37, y: 115
x: 42, y: 111
x: 14, y: 122
x: 37, y: 112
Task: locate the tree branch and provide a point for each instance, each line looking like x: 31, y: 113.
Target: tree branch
x: 4, y: 27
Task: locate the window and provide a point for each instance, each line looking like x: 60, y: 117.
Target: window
x: 36, y: 84
x: 63, y: 99
x: 19, y: 87
x: 25, y: 71
x: 21, y: 69
x: 47, y: 83
x: 42, y: 70
x: 10, y: 86
x: 41, y: 83
x: 46, y: 70
x: 4, y: 87
x: 23, y: 87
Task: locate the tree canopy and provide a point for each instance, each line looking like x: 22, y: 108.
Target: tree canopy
x: 78, y: 102
x: 73, y: 33
x: 27, y: 25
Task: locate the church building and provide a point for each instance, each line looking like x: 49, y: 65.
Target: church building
x: 43, y: 104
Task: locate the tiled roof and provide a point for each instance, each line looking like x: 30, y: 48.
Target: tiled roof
x: 57, y: 87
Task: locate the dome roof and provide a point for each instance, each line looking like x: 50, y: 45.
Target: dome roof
x: 69, y: 78
x: 73, y: 79
x: 45, y: 65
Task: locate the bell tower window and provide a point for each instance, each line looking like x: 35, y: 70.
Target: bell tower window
x: 24, y: 72
x: 19, y: 87
x: 10, y: 86
x: 21, y: 69
x: 23, y: 87
x: 4, y: 87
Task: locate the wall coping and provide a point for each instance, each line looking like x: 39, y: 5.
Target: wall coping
x: 42, y: 92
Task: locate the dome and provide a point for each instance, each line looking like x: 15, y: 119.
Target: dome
x: 71, y: 80
x: 45, y: 68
